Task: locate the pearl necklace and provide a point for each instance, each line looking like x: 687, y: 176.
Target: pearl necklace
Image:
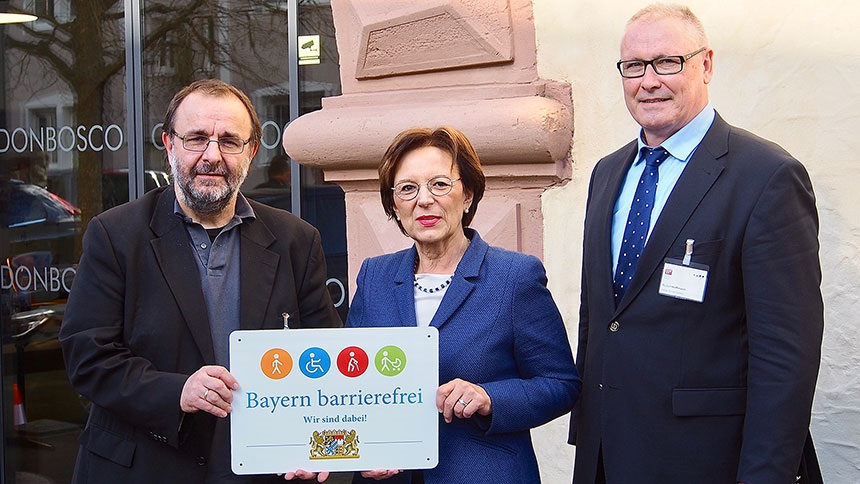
x: 432, y: 289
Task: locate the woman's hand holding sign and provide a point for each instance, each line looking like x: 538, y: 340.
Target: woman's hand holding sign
x: 462, y: 399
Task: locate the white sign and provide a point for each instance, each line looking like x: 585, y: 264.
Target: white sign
x: 334, y: 399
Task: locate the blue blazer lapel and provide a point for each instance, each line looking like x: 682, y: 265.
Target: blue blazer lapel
x: 463, y: 283
x: 704, y: 168
x: 404, y: 294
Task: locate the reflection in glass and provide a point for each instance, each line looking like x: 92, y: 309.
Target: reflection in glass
x: 63, y: 129
x: 66, y: 159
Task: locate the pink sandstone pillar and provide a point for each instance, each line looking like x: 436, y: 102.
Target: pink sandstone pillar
x: 470, y: 64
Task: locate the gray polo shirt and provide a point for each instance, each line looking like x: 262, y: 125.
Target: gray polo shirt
x: 218, y: 261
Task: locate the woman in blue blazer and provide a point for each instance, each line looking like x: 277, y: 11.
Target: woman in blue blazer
x: 504, y: 355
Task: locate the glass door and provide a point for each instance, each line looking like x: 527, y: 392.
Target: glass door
x: 62, y: 136
x: 80, y: 132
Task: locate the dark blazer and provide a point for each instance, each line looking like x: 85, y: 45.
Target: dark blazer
x: 499, y: 328
x: 712, y: 392
x: 136, y: 327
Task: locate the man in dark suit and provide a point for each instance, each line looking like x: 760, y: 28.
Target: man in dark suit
x: 162, y: 282
x: 699, y: 357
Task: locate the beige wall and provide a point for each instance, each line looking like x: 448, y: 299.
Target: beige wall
x: 786, y: 69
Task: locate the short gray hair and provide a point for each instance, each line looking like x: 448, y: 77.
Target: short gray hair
x: 680, y: 12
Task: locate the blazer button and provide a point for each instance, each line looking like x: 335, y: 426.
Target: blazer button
x: 201, y: 461
x: 614, y: 326
x: 600, y: 386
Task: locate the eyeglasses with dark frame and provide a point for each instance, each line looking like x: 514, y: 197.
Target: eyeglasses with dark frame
x: 666, y: 65
x: 438, y: 186
x: 229, y: 145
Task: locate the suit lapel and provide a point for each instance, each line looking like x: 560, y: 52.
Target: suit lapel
x: 605, y: 195
x: 176, y: 260
x: 258, y: 269
x: 462, y: 285
x: 404, y: 295
x: 703, y: 170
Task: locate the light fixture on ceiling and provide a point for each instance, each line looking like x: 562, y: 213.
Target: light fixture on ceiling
x: 16, y: 18
x: 7, y: 17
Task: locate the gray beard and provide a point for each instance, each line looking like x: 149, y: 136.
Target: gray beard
x: 206, y: 202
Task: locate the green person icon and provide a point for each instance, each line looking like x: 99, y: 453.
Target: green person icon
x: 390, y: 360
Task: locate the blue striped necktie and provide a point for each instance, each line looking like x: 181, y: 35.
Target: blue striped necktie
x: 639, y: 220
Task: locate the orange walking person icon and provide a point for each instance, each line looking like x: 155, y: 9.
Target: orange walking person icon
x: 276, y: 363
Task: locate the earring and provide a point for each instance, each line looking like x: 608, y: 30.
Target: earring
x: 467, y: 209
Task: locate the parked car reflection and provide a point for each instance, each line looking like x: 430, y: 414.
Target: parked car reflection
x: 34, y: 213
x: 40, y: 230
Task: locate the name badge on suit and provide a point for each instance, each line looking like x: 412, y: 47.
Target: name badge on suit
x: 684, y: 279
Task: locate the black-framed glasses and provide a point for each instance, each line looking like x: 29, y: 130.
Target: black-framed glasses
x: 439, y: 186
x: 229, y: 145
x: 666, y: 65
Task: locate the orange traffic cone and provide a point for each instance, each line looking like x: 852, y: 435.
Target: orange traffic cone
x: 18, y: 409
